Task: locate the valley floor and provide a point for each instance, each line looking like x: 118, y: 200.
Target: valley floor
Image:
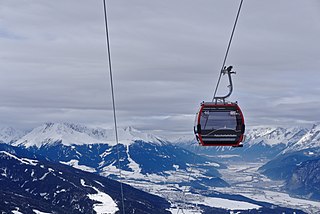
x: 245, y: 180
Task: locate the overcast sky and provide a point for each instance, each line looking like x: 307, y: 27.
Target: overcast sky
x: 166, y: 59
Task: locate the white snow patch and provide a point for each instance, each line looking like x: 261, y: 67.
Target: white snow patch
x: 99, y: 183
x: 59, y: 191
x: 44, y: 176
x: 109, y: 170
x: 16, y: 211
x: 105, y: 204
x: 211, y: 164
x: 83, y: 183
x: 228, y: 156
x: 133, y: 165
x: 22, y: 160
x: 184, y: 211
x: 176, y: 166
x: 75, y: 164
x: 228, y: 204
x: 39, y: 212
x: 4, y: 172
x: 106, y: 153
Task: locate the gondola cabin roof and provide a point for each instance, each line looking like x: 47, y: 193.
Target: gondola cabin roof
x: 219, y: 124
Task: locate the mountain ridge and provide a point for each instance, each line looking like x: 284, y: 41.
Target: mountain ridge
x: 28, y: 185
x: 70, y: 133
x: 143, y: 164
x: 10, y: 135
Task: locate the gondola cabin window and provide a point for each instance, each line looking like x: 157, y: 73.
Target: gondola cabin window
x: 218, y: 120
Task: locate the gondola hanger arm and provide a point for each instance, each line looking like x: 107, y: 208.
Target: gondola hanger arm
x: 227, y: 71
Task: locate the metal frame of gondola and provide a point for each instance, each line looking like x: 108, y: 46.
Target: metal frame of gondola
x: 222, y: 99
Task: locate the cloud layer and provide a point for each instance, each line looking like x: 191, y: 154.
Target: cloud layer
x: 166, y: 57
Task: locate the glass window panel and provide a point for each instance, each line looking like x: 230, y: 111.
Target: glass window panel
x: 218, y: 120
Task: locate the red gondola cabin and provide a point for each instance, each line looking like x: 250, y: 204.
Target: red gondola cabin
x: 219, y: 124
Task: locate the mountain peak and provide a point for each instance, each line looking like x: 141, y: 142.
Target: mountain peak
x: 316, y: 126
x: 274, y: 135
x: 77, y: 134
x: 51, y: 133
x: 9, y: 134
x: 310, y: 140
x: 129, y: 134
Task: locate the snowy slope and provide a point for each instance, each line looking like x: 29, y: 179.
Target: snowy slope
x: 27, y: 185
x: 147, y: 162
x: 10, y: 135
x: 143, y: 157
x: 129, y: 134
x: 310, y: 140
x: 51, y: 133
x: 294, y: 161
x: 75, y: 134
x: 270, y: 136
x: 262, y: 143
x: 274, y: 135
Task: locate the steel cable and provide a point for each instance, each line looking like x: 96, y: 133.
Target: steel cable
x: 113, y: 100
x: 227, y: 51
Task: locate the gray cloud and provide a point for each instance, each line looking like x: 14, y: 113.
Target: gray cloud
x: 166, y: 57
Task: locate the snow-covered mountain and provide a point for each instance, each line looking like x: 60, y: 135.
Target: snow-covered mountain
x: 297, y: 165
x: 270, y: 136
x: 273, y: 136
x: 142, y: 156
x: 311, y: 140
x: 34, y: 186
x: 304, y: 149
x: 147, y: 162
x: 10, y: 135
x: 75, y: 134
x: 39, y: 186
x: 262, y: 143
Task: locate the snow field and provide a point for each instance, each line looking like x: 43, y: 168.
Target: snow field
x: 105, y: 204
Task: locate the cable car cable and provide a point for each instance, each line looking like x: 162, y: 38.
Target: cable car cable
x: 113, y: 100
x: 227, y: 51
x: 229, y: 113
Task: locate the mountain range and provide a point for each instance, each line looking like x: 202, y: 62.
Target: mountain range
x: 298, y: 165
x: 147, y: 159
x: 262, y: 143
x: 289, y: 154
x: 94, y: 150
x: 40, y: 186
